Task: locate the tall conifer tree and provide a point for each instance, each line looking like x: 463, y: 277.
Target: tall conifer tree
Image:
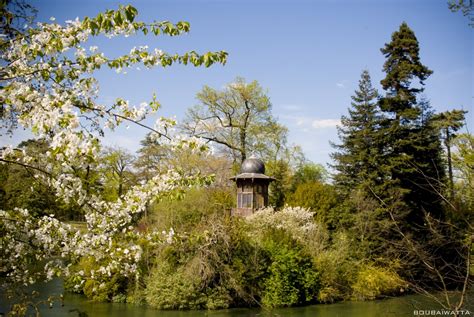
x: 412, y: 150
x: 356, y: 158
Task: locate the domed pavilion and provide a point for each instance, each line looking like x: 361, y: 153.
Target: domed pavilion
x: 252, y: 187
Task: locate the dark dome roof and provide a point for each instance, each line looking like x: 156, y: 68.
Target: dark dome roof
x: 253, y: 165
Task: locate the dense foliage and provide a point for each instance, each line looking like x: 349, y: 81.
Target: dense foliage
x: 392, y: 170
x: 155, y: 228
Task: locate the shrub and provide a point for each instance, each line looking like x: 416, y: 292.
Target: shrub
x: 229, y: 262
x: 168, y: 288
x: 215, y: 266
x: 110, y: 288
x: 374, y: 282
x: 292, y: 278
x: 298, y: 222
x: 337, y: 269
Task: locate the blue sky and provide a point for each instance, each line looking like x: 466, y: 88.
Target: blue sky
x: 308, y: 55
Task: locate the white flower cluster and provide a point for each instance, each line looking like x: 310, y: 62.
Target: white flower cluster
x: 298, y: 221
x: 149, y: 59
x: 26, y: 239
x: 51, y: 91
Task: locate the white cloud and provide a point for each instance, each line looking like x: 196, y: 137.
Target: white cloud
x: 297, y: 120
x: 325, y: 123
x: 292, y: 107
x: 300, y: 121
x: 309, y: 123
x: 341, y: 84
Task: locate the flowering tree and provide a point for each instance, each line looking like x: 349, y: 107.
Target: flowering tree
x: 48, y: 86
x: 297, y: 221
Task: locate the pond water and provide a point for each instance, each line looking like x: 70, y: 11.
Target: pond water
x: 411, y: 305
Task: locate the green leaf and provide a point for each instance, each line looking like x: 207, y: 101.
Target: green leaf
x: 155, y: 105
x: 94, y: 27
x: 130, y: 13
x: 118, y: 18
x: 45, y: 75
x: 207, y: 60
x: 156, y: 30
x: 185, y: 59
x: 100, y: 19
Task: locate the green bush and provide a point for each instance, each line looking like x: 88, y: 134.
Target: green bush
x: 136, y: 294
x: 215, y: 266
x: 112, y: 288
x: 374, y: 282
x: 168, y: 288
x: 330, y: 294
x: 221, y: 265
x: 291, y: 278
x: 337, y: 268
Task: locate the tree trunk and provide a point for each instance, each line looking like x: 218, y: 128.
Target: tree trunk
x: 120, y: 187
x: 243, y: 152
x: 450, y: 165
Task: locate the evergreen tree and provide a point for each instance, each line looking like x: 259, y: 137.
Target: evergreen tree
x: 412, y: 150
x: 402, y: 66
x: 356, y: 159
x: 151, y: 158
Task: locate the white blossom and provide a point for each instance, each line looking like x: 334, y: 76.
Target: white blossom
x: 50, y: 87
x: 298, y: 221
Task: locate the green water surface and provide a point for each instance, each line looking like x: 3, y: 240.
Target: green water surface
x: 411, y: 305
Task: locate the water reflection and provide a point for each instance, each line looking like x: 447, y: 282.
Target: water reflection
x: 75, y: 305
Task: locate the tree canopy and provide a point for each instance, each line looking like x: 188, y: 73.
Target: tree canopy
x: 237, y: 120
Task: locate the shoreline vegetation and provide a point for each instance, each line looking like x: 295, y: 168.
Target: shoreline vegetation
x: 394, y: 217
x: 400, y: 305
x: 273, y: 259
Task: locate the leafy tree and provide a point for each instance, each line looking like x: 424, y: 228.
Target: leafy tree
x: 308, y: 172
x: 449, y: 122
x: 117, y: 163
x: 319, y: 198
x: 238, y: 120
x: 463, y: 165
x: 288, y: 179
x: 358, y: 157
x: 281, y: 171
x: 20, y: 188
x: 155, y: 157
x: 150, y: 157
x: 282, y: 166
